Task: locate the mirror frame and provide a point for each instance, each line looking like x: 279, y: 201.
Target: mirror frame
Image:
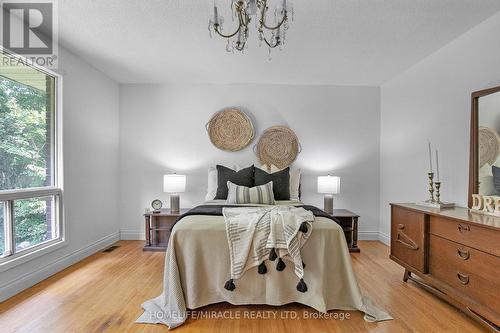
x: 474, y: 127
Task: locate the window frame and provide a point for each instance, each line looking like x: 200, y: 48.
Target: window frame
x: 7, y: 197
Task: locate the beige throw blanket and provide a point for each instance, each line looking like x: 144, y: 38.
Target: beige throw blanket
x: 253, y: 232
x: 197, y: 264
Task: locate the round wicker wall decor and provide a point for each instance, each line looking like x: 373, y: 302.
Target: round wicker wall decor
x: 230, y: 129
x: 278, y: 146
x: 489, y: 145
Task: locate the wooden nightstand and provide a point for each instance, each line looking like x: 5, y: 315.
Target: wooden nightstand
x: 348, y: 222
x: 158, y: 228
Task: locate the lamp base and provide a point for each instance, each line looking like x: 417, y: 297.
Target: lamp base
x: 174, y: 203
x: 328, y: 203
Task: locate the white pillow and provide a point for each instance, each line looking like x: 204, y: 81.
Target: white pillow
x: 212, y: 181
x: 212, y: 184
x: 294, y: 179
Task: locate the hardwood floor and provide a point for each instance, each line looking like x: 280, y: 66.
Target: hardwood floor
x: 103, y: 293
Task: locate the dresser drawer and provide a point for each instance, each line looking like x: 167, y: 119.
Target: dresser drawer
x: 408, y: 230
x: 468, y: 271
x: 468, y: 234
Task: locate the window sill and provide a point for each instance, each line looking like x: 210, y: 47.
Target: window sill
x: 21, y: 258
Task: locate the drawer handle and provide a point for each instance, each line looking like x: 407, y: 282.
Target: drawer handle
x: 463, y: 228
x: 463, y: 254
x: 464, y: 279
x: 408, y: 242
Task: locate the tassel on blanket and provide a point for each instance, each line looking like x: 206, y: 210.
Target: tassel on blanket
x: 262, y: 268
x: 229, y: 285
x: 281, y: 265
x: 273, y: 255
x: 302, y: 286
x: 303, y: 227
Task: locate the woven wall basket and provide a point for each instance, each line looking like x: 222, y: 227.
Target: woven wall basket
x: 489, y: 145
x: 230, y: 129
x: 279, y: 146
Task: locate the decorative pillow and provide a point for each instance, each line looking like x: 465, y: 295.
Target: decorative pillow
x: 243, y: 177
x: 496, y: 177
x: 294, y: 179
x: 262, y: 194
x: 212, y: 184
x: 280, y: 179
x: 212, y: 181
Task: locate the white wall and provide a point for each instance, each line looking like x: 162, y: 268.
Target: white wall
x: 90, y: 116
x: 162, y: 130
x: 431, y: 100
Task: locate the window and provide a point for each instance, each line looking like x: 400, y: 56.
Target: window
x: 30, y: 159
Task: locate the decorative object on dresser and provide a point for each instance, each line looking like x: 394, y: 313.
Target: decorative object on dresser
x: 158, y: 226
x: 349, y: 223
x: 484, y: 143
x: 329, y: 185
x: 278, y: 146
x: 434, y: 187
x: 453, y: 253
x: 174, y: 184
x: 482, y: 204
x: 230, y: 129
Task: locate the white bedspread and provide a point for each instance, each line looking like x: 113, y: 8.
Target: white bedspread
x: 197, y: 265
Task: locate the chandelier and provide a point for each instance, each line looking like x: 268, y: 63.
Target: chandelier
x: 246, y: 10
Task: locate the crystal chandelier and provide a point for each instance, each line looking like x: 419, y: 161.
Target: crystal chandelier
x: 246, y: 10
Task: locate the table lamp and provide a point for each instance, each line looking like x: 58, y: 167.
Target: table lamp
x: 329, y: 185
x: 174, y: 184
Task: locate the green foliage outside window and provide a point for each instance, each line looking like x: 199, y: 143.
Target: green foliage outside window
x: 24, y: 157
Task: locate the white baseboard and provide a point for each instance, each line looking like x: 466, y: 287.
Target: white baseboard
x: 29, y: 279
x: 362, y: 235
x: 368, y: 235
x: 384, y: 238
x: 374, y: 235
x: 132, y: 235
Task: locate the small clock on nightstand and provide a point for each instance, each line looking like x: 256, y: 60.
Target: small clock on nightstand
x: 156, y: 204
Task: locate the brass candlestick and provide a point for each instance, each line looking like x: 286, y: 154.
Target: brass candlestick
x: 431, y: 186
x: 438, y: 195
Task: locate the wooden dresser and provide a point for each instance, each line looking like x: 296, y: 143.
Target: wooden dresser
x: 453, y: 253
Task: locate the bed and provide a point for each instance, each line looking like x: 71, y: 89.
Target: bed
x: 197, y: 267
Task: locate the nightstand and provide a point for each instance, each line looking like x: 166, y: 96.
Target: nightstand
x: 158, y: 228
x: 349, y: 222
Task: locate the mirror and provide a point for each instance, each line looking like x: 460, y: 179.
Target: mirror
x: 484, y: 165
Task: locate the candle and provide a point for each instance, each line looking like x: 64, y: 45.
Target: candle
x: 430, y: 156
x: 437, y: 165
x: 216, y: 17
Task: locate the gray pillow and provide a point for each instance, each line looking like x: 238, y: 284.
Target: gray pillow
x: 262, y: 194
x: 244, y: 177
x: 280, y: 179
x: 496, y: 177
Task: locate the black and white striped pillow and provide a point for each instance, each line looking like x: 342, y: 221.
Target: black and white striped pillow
x: 262, y: 194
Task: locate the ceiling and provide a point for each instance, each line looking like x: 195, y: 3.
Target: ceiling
x: 338, y: 42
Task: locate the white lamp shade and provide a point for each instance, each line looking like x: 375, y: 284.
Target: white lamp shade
x: 174, y: 183
x: 329, y: 184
